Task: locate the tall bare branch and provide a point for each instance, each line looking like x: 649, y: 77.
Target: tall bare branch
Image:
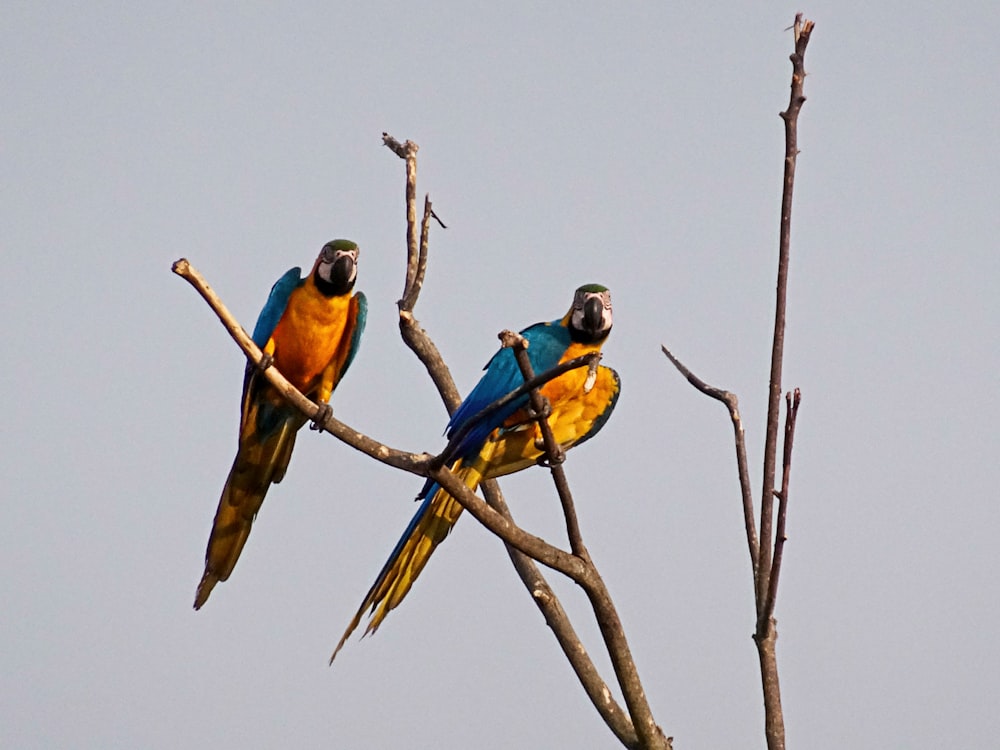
x: 766, y: 633
x: 766, y: 551
x: 802, y: 30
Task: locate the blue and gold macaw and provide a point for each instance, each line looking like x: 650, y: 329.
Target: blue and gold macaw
x: 311, y: 328
x: 509, y: 439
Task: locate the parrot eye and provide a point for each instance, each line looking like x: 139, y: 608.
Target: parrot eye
x: 582, y: 297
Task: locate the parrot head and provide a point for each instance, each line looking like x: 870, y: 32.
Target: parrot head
x: 589, y: 319
x: 336, y: 268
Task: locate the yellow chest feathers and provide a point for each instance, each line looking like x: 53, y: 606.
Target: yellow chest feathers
x: 309, y: 334
x: 572, y: 386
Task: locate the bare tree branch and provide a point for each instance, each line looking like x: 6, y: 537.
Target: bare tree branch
x: 408, y: 152
x: 416, y: 338
x: 732, y: 404
x: 650, y: 735
x: 531, y: 545
x: 791, y: 412
x: 412, y: 333
x: 554, y: 454
x: 562, y: 628
x: 519, y: 544
x: 766, y: 585
x: 766, y: 551
x: 418, y: 281
x: 802, y: 31
x: 401, y: 150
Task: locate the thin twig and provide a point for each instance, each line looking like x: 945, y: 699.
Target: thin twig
x: 411, y: 215
x: 414, y: 285
x: 802, y: 31
x: 791, y: 412
x: 732, y: 404
x: 408, y: 152
x: 410, y: 298
x: 554, y: 453
x: 396, y: 147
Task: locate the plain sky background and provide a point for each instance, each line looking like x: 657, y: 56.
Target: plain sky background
x: 638, y: 146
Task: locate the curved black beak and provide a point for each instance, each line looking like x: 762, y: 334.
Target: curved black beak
x: 593, y: 314
x: 343, y: 267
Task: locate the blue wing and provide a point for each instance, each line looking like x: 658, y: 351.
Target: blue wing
x: 360, y: 304
x: 547, y: 342
x: 277, y: 301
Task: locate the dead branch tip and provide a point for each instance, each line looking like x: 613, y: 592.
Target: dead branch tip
x: 510, y: 339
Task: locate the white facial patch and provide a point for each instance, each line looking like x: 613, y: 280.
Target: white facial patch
x: 325, y: 269
x: 580, y: 301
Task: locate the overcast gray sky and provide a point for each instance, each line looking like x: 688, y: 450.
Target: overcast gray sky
x: 638, y: 147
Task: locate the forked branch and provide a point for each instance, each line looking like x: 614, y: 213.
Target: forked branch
x: 648, y: 734
x: 416, y: 266
x: 766, y: 551
x: 792, y: 401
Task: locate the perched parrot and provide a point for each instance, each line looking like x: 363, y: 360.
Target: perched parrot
x: 509, y: 439
x: 311, y: 327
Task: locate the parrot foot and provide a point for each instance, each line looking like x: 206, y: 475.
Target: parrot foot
x: 324, y: 411
x: 266, y: 360
x: 558, y: 457
x: 544, y: 413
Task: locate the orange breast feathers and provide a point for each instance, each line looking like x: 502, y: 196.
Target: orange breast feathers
x: 310, y: 342
x: 575, y: 409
